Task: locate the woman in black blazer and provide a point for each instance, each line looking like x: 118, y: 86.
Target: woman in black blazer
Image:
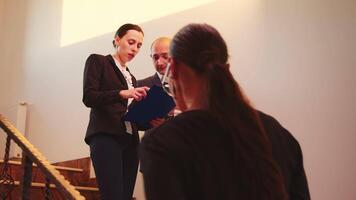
x: 108, y: 89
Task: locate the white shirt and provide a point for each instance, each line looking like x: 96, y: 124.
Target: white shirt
x: 159, y: 76
x: 128, y: 78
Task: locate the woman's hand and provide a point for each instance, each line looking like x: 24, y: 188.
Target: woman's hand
x: 136, y: 93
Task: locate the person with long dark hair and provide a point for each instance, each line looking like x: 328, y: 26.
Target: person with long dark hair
x: 216, y: 148
x: 108, y: 88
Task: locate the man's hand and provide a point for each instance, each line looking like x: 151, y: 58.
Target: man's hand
x: 136, y: 93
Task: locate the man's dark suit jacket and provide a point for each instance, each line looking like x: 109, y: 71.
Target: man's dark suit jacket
x: 288, y: 155
x: 102, y: 83
x: 150, y: 81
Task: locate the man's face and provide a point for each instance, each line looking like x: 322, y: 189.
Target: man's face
x: 160, y: 55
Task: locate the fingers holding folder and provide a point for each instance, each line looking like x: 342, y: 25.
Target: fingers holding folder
x: 136, y: 93
x: 157, y: 104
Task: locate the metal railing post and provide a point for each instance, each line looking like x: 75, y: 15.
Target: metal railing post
x: 26, y: 178
x: 7, y: 183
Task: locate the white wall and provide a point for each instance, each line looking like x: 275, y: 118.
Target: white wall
x: 12, y: 28
x: 295, y: 60
x: 307, y: 79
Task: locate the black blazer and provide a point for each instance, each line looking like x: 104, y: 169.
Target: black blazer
x: 150, y: 81
x: 102, y: 83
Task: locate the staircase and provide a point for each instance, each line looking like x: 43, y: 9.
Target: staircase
x: 75, y: 171
x: 33, y: 177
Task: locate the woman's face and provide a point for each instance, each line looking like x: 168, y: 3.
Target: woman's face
x: 129, y: 45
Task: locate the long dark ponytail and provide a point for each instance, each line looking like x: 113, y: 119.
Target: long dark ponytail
x: 201, y: 47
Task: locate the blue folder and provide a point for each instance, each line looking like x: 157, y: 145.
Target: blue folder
x: 157, y: 104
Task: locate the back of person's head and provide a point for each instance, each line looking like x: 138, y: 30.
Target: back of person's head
x: 123, y: 30
x: 202, y: 48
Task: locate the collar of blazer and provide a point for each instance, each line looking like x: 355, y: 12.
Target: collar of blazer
x: 119, y: 74
x: 157, y: 79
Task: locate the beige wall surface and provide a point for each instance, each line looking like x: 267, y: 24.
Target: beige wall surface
x: 12, y: 28
x: 307, y: 80
x: 294, y: 59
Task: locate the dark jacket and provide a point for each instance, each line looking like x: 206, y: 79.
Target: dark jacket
x: 150, y: 81
x: 187, y: 158
x: 102, y: 83
x: 191, y: 157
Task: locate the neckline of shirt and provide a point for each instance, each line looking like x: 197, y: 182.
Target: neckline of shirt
x: 118, y: 64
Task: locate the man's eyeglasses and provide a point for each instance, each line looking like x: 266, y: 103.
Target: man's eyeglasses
x: 156, y: 56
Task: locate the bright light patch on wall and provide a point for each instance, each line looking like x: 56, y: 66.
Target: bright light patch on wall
x: 82, y: 20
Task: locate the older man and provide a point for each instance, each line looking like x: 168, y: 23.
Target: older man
x: 160, y: 58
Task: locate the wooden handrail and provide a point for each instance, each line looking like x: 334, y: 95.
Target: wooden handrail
x: 68, y: 190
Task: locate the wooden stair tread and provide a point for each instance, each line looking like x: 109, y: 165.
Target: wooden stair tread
x: 36, y: 184
x: 55, y: 166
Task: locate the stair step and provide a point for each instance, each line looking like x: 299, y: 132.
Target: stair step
x: 75, y: 171
x: 35, y: 184
x: 57, y: 167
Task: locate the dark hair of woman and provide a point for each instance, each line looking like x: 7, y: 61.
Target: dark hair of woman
x: 201, y: 47
x: 123, y: 30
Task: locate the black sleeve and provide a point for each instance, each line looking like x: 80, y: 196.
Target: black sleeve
x: 160, y: 171
x: 288, y: 155
x: 299, y: 186
x: 93, y: 96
